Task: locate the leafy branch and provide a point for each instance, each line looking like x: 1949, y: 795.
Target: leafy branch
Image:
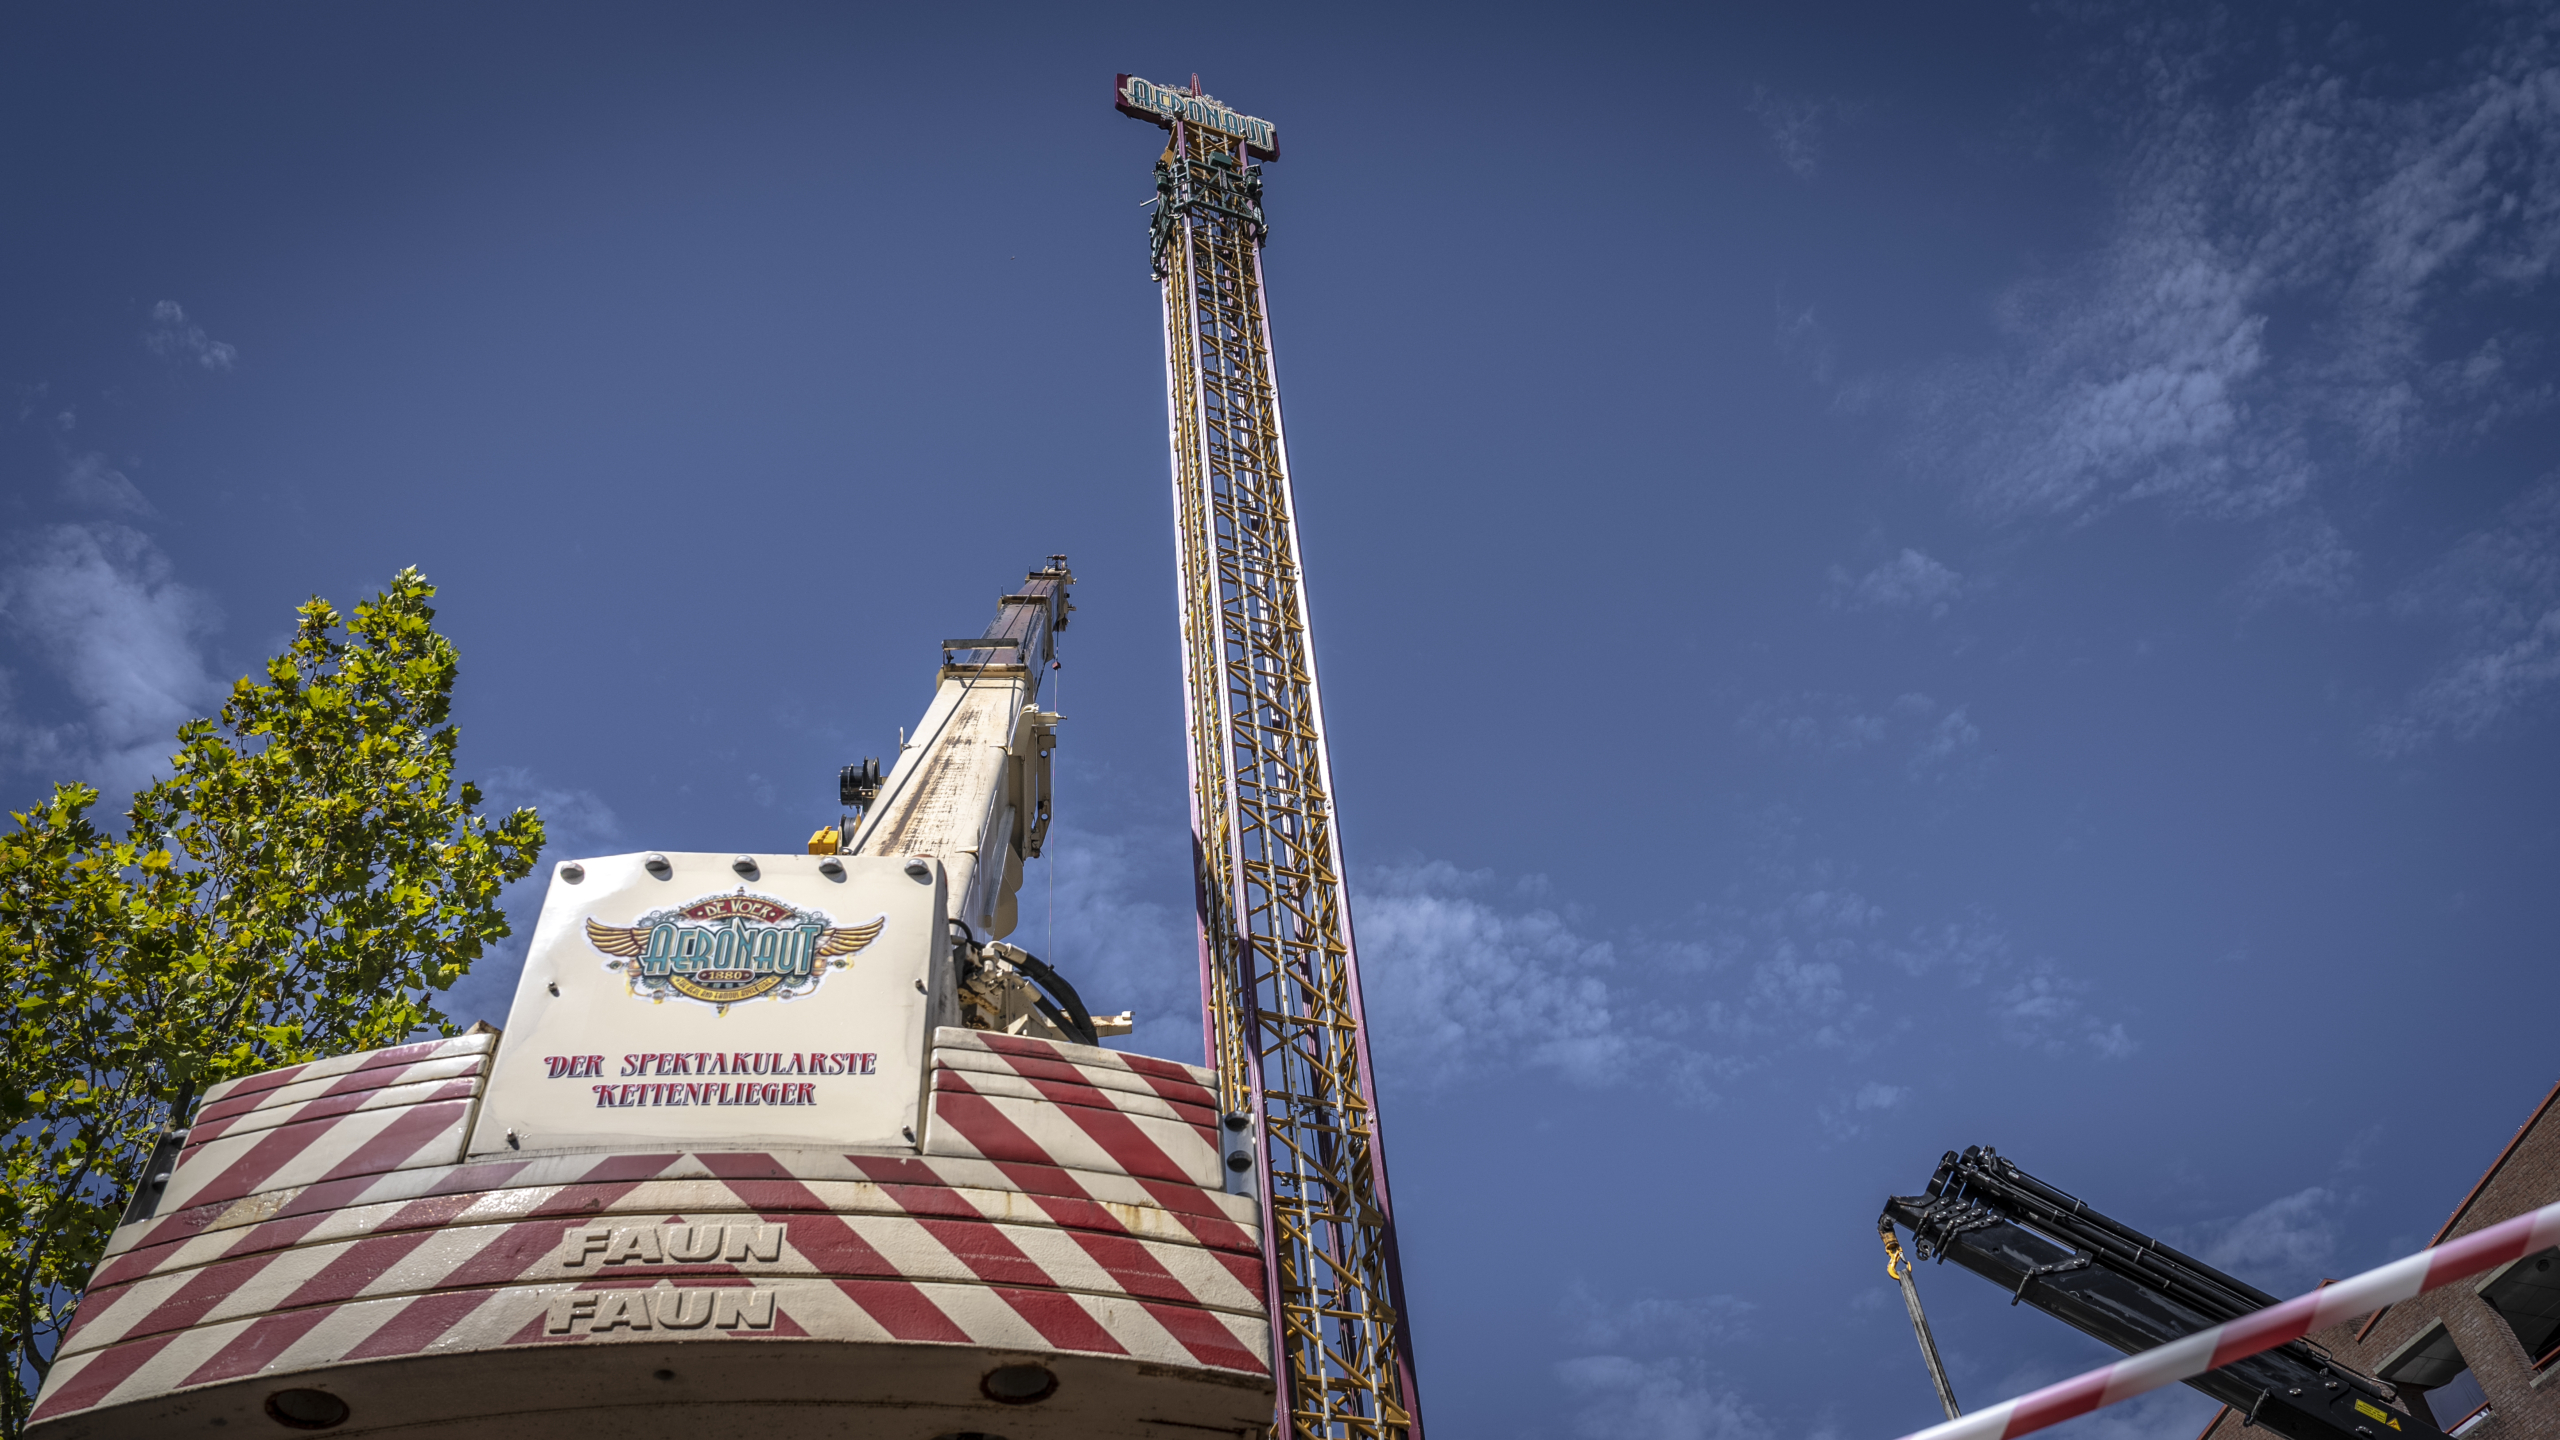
x: 306, y: 881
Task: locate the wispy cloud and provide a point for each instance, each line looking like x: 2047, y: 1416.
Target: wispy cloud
x: 1652, y: 1325
x: 575, y: 823
x: 90, y: 483
x: 1466, y: 974
x: 2499, y: 590
x: 1454, y: 977
x: 2042, y: 1009
x: 1908, y: 581
x: 1937, y: 743
x: 1124, y: 948
x: 2284, y: 1247
x: 102, y: 608
x: 1797, y: 127
x: 1667, y: 1399
x: 2171, y: 1413
x: 2386, y: 231
x: 171, y: 337
x: 1847, y: 1116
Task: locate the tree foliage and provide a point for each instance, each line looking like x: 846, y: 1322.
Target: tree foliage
x: 304, y: 882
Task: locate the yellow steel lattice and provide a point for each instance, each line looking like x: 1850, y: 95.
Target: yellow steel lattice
x: 1280, y: 984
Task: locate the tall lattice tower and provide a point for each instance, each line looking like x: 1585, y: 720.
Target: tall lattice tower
x: 1279, y: 981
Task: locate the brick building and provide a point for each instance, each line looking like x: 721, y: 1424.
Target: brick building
x: 2480, y: 1356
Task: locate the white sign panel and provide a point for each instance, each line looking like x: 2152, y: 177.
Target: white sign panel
x: 689, y: 1003
x: 1164, y: 104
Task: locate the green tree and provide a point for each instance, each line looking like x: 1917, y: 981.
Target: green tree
x: 303, y: 883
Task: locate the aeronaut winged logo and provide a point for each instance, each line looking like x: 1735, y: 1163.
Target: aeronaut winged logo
x: 722, y: 949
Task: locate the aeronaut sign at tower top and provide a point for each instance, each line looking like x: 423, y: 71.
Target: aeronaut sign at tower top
x: 1164, y: 104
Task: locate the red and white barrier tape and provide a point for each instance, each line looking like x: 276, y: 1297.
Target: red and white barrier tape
x: 2266, y: 1329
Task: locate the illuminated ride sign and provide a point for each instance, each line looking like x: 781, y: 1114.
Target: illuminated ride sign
x: 1164, y: 104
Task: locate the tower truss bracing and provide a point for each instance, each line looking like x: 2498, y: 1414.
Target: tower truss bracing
x: 1279, y: 978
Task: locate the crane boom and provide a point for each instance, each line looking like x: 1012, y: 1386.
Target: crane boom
x: 1279, y: 974
x: 2106, y: 1279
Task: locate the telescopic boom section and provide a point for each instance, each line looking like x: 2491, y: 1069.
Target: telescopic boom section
x: 2107, y: 1279
x: 1279, y: 981
x: 971, y: 785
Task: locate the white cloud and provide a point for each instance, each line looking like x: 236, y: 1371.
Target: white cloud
x: 1909, y: 581
x: 102, y: 607
x: 2285, y: 1247
x: 1653, y: 1325
x: 2042, y: 1010
x: 1456, y: 981
x: 1943, y: 746
x: 1967, y: 950
x: 1120, y: 949
x: 2156, y: 369
x: 576, y: 824
x: 1805, y: 342
x: 89, y: 481
x: 1846, y: 1117
x: 2307, y: 559
x: 2172, y: 1412
x: 1946, y: 746
x: 172, y: 338
x: 1875, y: 1095
x: 1670, y: 1399
x: 2500, y: 589
x: 1464, y: 978
x: 1797, y: 127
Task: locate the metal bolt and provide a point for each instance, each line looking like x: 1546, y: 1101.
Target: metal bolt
x: 1237, y: 1123
x: 573, y: 872
x: 909, y: 1131
x: 832, y: 868
x: 744, y: 865
x: 654, y: 863
x: 1239, y: 1163
x: 555, y: 987
x: 919, y: 987
x: 917, y: 867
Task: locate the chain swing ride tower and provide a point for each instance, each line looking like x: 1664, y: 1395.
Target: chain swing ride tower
x: 1279, y: 980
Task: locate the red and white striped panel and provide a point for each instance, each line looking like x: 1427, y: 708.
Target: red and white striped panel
x: 1011, y: 1099
x: 983, y: 1316
x: 346, y: 1116
x: 250, y: 1091
x: 851, y: 1247
x: 673, y: 1229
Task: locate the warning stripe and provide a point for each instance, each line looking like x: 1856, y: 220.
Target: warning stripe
x: 341, y: 1147
x: 348, y: 1064
x: 1079, y: 1137
x: 2260, y: 1331
x: 882, y: 1245
x: 1076, y: 1092
x: 1008, y: 1317
x: 1186, y: 1084
x: 380, y: 1078
x: 1070, y: 1200
x: 328, y: 1106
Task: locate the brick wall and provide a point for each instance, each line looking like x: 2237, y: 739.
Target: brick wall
x: 2524, y: 1404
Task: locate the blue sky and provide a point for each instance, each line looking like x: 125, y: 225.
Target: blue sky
x: 1886, y: 581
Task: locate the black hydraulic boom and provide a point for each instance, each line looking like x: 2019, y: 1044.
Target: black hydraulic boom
x: 2108, y: 1280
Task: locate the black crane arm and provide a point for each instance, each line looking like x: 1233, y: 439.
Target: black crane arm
x: 2106, y: 1279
